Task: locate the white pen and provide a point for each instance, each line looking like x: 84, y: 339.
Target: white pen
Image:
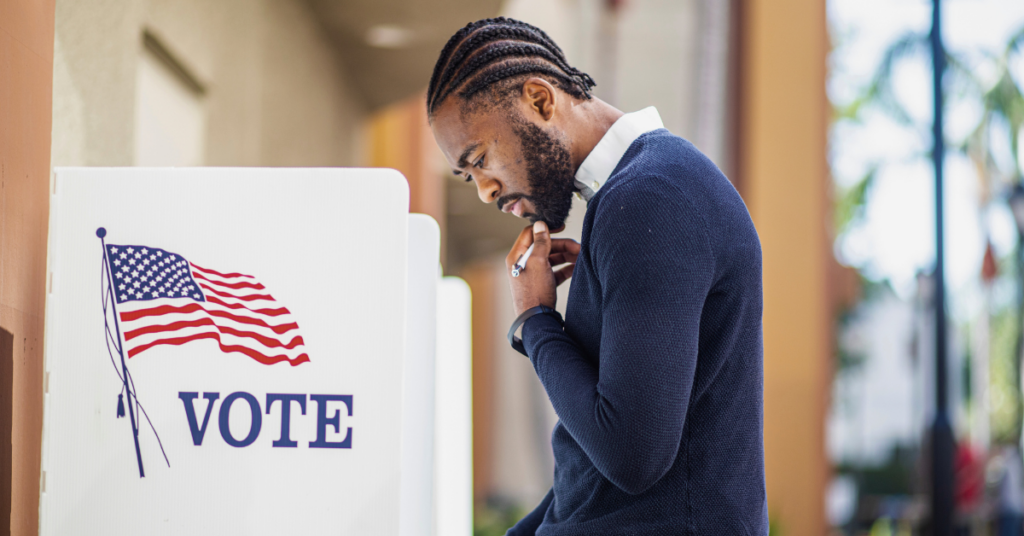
x: 520, y: 264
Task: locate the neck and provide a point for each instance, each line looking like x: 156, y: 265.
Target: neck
x: 593, y: 119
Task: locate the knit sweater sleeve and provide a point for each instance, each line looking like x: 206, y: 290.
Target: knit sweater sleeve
x: 651, y: 251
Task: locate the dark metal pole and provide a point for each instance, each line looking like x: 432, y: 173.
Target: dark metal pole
x: 943, y: 444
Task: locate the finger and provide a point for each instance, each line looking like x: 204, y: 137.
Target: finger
x: 520, y: 246
x: 561, y: 258
x: 541, y: 240
x: 561, y: 275
x: 563, y: 250
x: 565, y: 244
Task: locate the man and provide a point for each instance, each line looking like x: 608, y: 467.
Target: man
x: 656, y: 374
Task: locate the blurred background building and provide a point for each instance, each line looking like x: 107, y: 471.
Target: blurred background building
x: 341, y: 83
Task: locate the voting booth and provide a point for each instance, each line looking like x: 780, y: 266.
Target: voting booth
x: 247, y: 351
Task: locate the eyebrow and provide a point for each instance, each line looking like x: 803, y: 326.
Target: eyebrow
x: 465, y: 154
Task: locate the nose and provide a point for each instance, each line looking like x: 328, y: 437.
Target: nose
x: 488, y: 189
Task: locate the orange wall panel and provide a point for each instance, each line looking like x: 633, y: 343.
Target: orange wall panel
x: 26, y: 75
x: 400, y: 138
x: 785, y: 179
x: 480, y: 278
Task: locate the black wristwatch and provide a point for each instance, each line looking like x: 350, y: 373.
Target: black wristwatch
x: 516, y: 342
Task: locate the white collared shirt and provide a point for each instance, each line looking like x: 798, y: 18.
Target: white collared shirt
x: 602, y: 160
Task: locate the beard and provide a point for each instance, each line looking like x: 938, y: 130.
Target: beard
x: 549, y: 173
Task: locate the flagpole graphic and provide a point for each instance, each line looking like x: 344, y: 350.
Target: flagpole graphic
x: 126, y: 385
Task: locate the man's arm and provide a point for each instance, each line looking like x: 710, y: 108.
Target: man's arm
x: 655, y: 264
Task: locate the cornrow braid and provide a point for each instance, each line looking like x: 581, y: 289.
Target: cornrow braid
x: 512, y: 29
x: 446, y: 51
x: 491, y: 53
x: 490, y: 34
x: 488, y: 51
x: 509, y: 70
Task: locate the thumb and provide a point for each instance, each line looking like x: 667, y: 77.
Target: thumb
x: 541, y: 240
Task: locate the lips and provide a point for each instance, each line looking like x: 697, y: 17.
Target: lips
x: 517, y: 208
x: 514, y: 207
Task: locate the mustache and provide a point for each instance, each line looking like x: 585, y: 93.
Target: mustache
x: 510, y: 198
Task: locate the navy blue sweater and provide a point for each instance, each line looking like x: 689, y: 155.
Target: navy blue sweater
x: 657, y: 376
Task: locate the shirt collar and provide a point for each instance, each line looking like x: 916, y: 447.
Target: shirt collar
x: 602, y: 160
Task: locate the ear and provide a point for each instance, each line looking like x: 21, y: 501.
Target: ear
x: 540, y: 97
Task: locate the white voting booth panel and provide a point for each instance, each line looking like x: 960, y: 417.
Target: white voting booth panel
x: 259, y: 313
x: 437, y: 419
x: 453, y: 440
x: 416, y: 512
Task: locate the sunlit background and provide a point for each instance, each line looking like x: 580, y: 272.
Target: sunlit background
x: 818, y: 112
x: 880, y: 76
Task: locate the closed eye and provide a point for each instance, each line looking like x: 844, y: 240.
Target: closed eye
x: 478, y: 164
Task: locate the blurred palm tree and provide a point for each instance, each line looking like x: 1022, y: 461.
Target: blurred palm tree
x: 1003, y: 115
x: 1001, y: 101
x: 1000, y: 96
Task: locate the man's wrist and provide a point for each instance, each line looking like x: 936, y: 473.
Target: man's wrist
x: 516, y: 342
x: 522, y: 308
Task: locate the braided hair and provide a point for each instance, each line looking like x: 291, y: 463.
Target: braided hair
x: 489, y: 51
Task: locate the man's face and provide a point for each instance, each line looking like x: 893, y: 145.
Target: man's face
x: 516, y: 163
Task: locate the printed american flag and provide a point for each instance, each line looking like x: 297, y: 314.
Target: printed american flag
x: 163, y: 299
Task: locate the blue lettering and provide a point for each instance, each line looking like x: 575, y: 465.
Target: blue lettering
x: 322, y: 421
x: 190, y: 412
x: 254, y: 425
x: 286, y: 415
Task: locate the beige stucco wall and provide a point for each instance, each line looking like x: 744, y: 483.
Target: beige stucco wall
x: 655, y: 49
x: 277, y: 93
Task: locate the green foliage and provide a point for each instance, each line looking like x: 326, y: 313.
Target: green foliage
x: 1004, y: 394
x: 880, y: 91
x: 850, y: 202
x: 495, y: 520
x: 895, y: 476
x: 1003, y: 101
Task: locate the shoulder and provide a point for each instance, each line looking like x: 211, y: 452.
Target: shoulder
x: 660, y: 152
x: 657, y: 179
x: 639, y: 196
x: 668, y: 174
x: 644, y: 217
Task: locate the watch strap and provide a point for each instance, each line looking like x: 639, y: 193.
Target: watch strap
x: 516, y: 342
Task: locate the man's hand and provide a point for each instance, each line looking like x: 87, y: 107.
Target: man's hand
x: 536, y: 284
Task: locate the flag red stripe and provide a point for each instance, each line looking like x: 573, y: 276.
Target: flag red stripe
x: 215, y: 272
x: 269, y: 342
x: 262, y: 358
x: 242, y: 284
x: 246, y: 297
x: 129, y: 316
x: 268, y: 312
